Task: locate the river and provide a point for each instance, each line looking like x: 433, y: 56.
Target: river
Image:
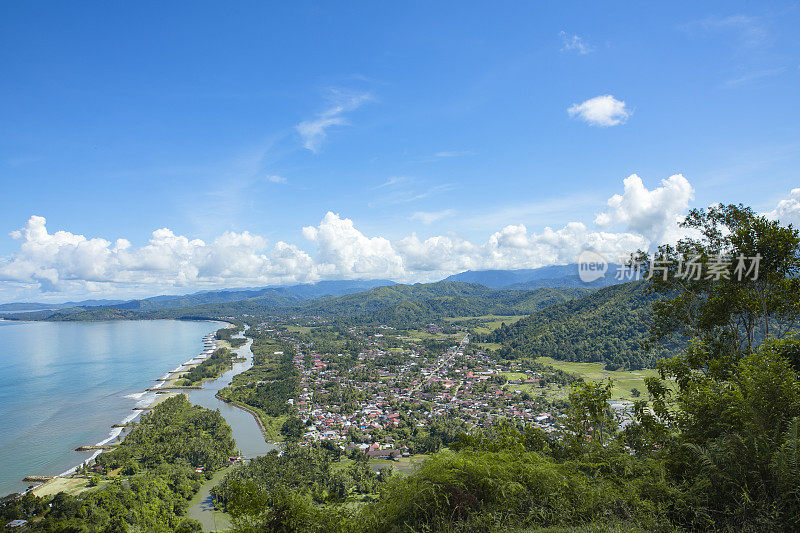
x: 246, y: 432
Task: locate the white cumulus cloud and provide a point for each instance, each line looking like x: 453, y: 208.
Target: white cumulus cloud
x: 346, y: 252
x: 604, y: 110
x: 651, y: 213
x: 788, y: 210
x: 77, y: 264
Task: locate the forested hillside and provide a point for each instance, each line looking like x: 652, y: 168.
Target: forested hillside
x: 607, y: 325
x: 398, y: 305
x: 409, y: 304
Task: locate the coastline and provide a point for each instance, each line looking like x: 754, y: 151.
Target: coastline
x: 145, y: 401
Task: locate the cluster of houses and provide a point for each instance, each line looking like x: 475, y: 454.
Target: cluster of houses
x: 458, y: 383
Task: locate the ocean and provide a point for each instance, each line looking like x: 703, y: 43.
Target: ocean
x: 63, y: 385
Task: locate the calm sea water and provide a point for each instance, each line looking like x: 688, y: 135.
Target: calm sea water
x: 63, y: 385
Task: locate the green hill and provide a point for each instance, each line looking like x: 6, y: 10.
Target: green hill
x: 407, y: 304
x: 608, y: 325
x: 395, y: 305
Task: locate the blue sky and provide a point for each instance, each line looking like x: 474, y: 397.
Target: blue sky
x: 445, y: 122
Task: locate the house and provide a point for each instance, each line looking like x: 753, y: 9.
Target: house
x: 384, y: 454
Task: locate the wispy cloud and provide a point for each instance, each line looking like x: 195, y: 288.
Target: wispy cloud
x: 276, y: 179
x: 748, y: 32
x: 754, y: 76
x: 401, y: 190
x: 393, y: 181
x: 453, y: 153
x: 429, y: 217
x: 574, y: 43
x: 313, y: 132
x: 604, y: 110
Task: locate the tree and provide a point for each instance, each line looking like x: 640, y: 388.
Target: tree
x: 732, y: 285
x: 589, y: 410
x: 293, y: 428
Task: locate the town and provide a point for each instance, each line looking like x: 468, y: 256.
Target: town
x: 397, y: 396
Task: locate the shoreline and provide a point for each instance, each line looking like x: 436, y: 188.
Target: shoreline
x: 168, y: 380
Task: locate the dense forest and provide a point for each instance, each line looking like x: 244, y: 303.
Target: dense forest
x: 267, y: 386
x: 610, y: 325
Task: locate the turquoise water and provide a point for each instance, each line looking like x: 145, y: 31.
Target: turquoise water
x: 63, y: 385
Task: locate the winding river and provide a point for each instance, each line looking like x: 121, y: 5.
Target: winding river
x: 246, y: 432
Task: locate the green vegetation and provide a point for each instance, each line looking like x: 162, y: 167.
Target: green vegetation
x: 211, y: 367
x: 268, y: 385
x: 157, y: 465
x: 404, y: 305
x: 226, y: 334
x: 486, y: 323
x: 609, y: 325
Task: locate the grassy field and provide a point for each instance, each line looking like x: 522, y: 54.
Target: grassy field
x: 488, y: 345
x: 551, y: 392
x: 69, y: 485
x: 402, y: 465
x: 272, y: 424
x: 489, y: 323
x: 624, y: 380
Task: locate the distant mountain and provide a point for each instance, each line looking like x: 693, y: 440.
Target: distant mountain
x: 534, y: 278
x: 16, y: 307
x: 609, y: 324
x: 275, y: 296
x: 395, y: 304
